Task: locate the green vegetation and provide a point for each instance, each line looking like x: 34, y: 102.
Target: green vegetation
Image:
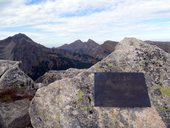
x: 85, y: 108
x: 81, y: 107
x: 80, y: 95
x: 165, y: 91
x: 163, y: 108
x: 109, y: 64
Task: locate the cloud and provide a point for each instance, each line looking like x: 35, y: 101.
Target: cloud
x: 61, y: 21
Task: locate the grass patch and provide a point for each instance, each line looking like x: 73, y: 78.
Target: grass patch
x: 165, y: 91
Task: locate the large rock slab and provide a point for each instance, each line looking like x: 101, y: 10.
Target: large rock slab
x: 53, y: 75
x: 69, y: 103
x: 14, y: 78
x: 15, y: 114
x: 5, y: 65
x: 16, y: 91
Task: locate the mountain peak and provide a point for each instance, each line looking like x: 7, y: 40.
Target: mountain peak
x: 21, y: 36
x: 131, y: 41
x: 77, y: 42
x: 17, y: 38
x: 91, y: 41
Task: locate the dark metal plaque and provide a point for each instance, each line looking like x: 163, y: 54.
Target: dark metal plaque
x: 120, y: 90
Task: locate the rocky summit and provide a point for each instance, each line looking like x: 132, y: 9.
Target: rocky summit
x: 69, y: 102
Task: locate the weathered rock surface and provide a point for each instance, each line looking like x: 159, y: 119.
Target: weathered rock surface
x: 16, y: 91
x: 15, y: 114
x: 14, y: 78
x: 52, y: 75
x: 5, y: 65
x: 69, y: 103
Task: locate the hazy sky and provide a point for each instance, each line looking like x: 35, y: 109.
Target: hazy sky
x: 55, y: 22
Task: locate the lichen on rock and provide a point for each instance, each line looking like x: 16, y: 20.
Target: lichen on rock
x: 16, y: 91
x: 69, y: 103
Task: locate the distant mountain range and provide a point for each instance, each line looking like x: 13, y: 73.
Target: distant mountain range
x: 38, y: 59
x: 81, y: 47
x: 163, y: 45
x: 91, y: 48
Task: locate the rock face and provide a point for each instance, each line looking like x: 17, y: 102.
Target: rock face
x: 69, y: 103
x: 81, y: 47
x: 91, y: 48
x: 104, y: 49
x: 15, y: 114
x: 5, y: 65
x: 52, y: 76
x: 14, y: 78
x: 16, y: 91
x: 163, y: 45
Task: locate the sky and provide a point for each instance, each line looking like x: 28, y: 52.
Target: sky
x: 55, y: 22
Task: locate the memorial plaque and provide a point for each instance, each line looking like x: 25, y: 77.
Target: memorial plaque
x: 120, y: 90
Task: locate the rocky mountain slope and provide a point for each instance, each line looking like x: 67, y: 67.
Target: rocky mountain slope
x: 104, y: 49
x: 37, y: 59
x: 91, y: 48
x: 163, y: 45
x: 81, y: 47
x: 69, y: 103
